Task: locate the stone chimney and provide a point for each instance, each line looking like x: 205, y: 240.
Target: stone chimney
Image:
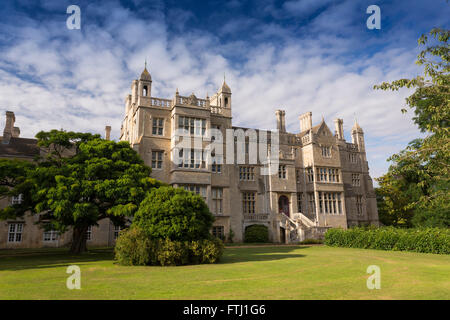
x: 107, y: 132
x: 281, y: 125
x: 10, y: 130
x: 305, y: 121
x: 339, y: 127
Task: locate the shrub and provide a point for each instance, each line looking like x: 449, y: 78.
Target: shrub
x: 311, y: 241
x: 230, y: 236
x: 256, y: 233
x: 175, y: 214
x: 134, y: 247
x: 430, y: 240
x: 171, y: 253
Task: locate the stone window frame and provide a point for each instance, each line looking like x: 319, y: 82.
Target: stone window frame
x: 192, y: 158
x: 359, y: 200
x: 356, y: 179
x: 15, y: 232
x: 50, y: 235
x: 158, y: 126
x: 156, y: 159
x: 310, y: 174
x: 333, y: 175
x: 218, y: 232
x: 17, y: 199
x: 246, y: 173
x: 89, y: 233
x: 299, y: 201
x: 197, y: 189
x: 249, y: 202
x: 353, y: 157
x: 117, y: 230
x: 217, y: 200
x: 297, y: 176
x: 330, y: 203
x: 326, y: 151
x: 312, y: 202
x: 216, y: 165
x: 191, y: 125
x: 282, y: 171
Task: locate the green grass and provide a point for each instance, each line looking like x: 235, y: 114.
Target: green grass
x: 265, y: 272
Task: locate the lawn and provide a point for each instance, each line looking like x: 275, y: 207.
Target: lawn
x: 269, y: 272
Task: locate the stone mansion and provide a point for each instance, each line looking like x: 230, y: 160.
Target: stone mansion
x: 321, y: 181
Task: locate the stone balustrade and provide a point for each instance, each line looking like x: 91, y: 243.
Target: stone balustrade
x: 256, y: 217
x: 157, y: 102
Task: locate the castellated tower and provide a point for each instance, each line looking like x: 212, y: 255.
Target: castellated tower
x: 322, y: 180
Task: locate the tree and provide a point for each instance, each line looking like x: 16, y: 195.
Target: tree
x: 422, y: 169
x: 13, y: 183
x: 82, y: 179
x: 175, y: 214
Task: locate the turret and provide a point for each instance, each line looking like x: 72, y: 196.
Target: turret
x: 358, y: 136
x: 142, y: 87
x: 339, y: 128
x: 107, y: 132
x: 281, y: 125
x: 224, y: 96
x: 10, y: 131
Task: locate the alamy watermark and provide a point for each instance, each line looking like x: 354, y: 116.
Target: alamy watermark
x: 374, y: 21
x: 374, y: 281
x: 74, y: 280
x: 74, y: 20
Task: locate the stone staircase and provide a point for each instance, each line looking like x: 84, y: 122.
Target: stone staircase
x: 300, y: 227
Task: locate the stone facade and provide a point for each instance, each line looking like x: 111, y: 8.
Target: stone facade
x: 322, y: 181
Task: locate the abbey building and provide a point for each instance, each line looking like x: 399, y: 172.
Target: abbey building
x: 321, y: 180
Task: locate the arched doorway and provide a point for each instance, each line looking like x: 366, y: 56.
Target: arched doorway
x: 283, y: 205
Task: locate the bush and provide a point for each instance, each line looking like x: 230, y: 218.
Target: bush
x: 311, y: 241
x: 134, y: 247
x: 429, y: 240
x: 256, y: 233
x: 175, y: 214
x: 206, y: 251
x: 171, y: 253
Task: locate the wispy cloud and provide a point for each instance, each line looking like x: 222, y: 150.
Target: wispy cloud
x: 52, y: 77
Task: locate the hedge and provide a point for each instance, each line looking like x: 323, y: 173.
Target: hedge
x: 429, y: 240
x: 256, y: 233
x: 135, y: 248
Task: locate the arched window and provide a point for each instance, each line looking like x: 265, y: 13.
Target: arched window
x: 145, y: 91
x: 226, y: 102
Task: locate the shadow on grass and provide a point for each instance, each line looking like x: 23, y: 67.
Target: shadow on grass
x: 16, y: 260
x: 263, y: 253
x: 49, y: 258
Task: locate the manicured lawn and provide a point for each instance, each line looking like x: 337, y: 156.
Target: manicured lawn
x: 273, y: 272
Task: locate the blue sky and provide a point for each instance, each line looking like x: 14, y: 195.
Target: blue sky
x: 299, y: 55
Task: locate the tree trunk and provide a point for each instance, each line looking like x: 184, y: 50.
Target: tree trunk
x: 78, y: 240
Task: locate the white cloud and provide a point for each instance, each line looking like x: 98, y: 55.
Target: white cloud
x: 77, y: 80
